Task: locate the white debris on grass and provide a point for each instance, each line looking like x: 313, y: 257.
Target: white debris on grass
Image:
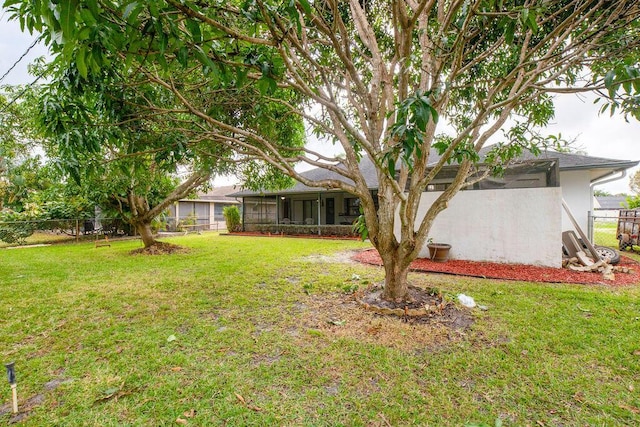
x: 466, y: 300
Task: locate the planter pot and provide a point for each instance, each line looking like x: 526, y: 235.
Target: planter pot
x: 439, y: 252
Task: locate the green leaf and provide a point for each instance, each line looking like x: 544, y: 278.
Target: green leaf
x: 440, y: 146
x: 391, y: 164
x: 608, y: 78
x: 266, y: 85
x: 80, y: 62
x: 532, y: 24
x: 203, y: 58
x: 434, y: 115
x: 92, y: 5
x: 127, y: 11
x: 183, y: 56
x: 241, y: 76
x: 194, y: 29
x: 68, y: 17
x: 111, y: 391
x: 305, y: 6
x: 84, y: 33
x: 509, y: 31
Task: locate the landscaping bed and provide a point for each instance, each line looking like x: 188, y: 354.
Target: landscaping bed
x: 529, y: 273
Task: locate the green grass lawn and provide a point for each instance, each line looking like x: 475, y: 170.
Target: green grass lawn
x: 260, y: 331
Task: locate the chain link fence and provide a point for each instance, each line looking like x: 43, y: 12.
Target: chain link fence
x: 52, y: 230
x: 57, y: 230
x: 603, y: 230
x: 191, y: 223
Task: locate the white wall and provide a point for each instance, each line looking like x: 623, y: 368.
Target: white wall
x: 576, y: 191
x: 521, y: 226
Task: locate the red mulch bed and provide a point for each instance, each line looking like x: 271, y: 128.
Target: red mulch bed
x: 527, y: 273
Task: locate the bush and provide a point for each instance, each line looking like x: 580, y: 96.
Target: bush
x: 15, y: 227
x: 160, y: 223
x: 325, y: 230
x: 232, y: 218
x: 187, y: 223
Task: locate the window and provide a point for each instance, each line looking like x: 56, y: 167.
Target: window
x: 307, y: 209
x: 351, y: 206
x: 218, y: 211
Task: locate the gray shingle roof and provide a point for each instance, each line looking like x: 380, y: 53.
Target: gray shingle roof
x: 611, y: 202
x: 572, y: 161
x: 567, y: 161
x: 366, y: 167
x: 218, y: 194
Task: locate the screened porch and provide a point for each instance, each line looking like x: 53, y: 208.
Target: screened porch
x: 305, y: 213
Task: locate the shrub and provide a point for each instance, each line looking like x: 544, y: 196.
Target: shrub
x: 15, y: 227
x: 160, y: 223
x: 186, y: 223
x: 232, y: 218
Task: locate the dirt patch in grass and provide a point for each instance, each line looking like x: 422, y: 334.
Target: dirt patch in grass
x: 161, y: 248
x: 26, y: 406
x: 341, y: 316
x: 345, y: 257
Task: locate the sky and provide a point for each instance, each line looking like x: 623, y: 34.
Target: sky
x: 576, y: 118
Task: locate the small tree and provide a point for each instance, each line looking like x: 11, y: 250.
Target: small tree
x: 634, y: 182
x: 232, y: 218
x: 15, y: 227
x: 633, y: 202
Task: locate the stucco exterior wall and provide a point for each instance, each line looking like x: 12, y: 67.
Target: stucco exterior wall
x: 576, y: 191
x: 520, y: 226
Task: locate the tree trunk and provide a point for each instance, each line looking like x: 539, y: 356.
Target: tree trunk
x: 396, y: 254
x: 396, y: 270
x: 144, y: 229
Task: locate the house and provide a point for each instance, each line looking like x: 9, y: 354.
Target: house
x: 517, y: 218
x: 608, y: 206
x: 204, y: 211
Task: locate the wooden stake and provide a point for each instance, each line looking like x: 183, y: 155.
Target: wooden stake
x: 14, y: 393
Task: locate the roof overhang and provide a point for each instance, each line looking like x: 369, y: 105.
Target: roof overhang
x: 232, y: 201
x: 291, y: 192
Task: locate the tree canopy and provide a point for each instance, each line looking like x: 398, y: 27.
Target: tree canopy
x: 386, y: 80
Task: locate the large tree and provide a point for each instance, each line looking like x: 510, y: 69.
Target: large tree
x: 387, y: 80
x: 122, y: 158
x: 125, y: 140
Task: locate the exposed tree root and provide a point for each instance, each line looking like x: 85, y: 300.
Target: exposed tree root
x: 160, y: 248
